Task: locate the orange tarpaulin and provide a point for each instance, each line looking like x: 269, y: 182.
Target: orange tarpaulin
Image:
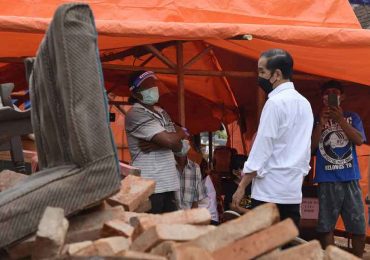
x: 324, y: 38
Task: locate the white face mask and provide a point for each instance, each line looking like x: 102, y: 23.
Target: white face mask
x: 150, y: 96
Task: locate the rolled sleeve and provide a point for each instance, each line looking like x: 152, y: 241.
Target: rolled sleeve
x: 143, y: 127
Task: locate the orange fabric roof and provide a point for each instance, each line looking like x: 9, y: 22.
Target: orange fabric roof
x: 324, y: 38
x: 326, y: 30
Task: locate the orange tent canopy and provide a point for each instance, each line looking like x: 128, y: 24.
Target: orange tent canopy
x: 324, y: 38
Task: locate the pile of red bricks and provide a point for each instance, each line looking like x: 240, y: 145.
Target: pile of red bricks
x: 120, y: 228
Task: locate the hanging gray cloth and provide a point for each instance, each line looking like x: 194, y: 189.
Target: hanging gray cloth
x: 77, y: 156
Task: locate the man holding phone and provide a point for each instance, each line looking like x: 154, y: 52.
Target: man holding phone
x: 334, y: 139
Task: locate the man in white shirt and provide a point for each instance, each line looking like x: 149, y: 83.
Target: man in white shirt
x: 280, y: 155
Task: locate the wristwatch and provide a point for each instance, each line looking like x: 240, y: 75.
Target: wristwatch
x: 367, y: 200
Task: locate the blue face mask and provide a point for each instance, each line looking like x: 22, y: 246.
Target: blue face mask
x: 150, y: 96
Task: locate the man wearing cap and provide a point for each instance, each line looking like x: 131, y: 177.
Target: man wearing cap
x: 280, y: 154
x: 152, y: 140
x: 334, y: 139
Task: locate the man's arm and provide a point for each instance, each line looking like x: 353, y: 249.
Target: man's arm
x: 170, y: 140
x: 315, y: 138
x: 317, y: 130
x: 352, y: 133
x: 239, y: 194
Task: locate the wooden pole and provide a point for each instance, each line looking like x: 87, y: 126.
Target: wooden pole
x: 197, y: 57
x: 210, y: 150
x: 212, y: 73
x: 160, y: 56
x: 239, y: 74
x: 180, y: 81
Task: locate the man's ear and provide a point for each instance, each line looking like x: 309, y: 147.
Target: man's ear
x: 278, y: 74
x: 137, y: 95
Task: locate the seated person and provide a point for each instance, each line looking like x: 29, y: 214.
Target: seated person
x: 210, y: 202
x: 192, y: 189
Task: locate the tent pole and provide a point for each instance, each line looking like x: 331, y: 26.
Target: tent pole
x: 180, y: 81
x: 210, y: 150
x: 210, y: 73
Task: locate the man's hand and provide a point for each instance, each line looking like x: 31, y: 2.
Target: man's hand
x: 237, y: 197
x: 180, y: 130
x: 336, y: 113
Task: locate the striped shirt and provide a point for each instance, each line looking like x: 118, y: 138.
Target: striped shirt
x: 156, y: 163
x: 192, y: 188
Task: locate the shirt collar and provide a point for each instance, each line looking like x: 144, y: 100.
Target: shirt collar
x: 189, y: 164
x: 156, y: 108
x: 280, y: 88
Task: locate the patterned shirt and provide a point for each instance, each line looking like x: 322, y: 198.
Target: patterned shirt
x: 192, y: 188
x: 156, y: 163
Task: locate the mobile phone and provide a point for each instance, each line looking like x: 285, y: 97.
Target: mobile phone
x: 112, y: 117
x: 333, y: 100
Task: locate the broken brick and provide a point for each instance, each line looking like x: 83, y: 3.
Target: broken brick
x: 191, y: 216
x: 259, y: 218
x: 335, y: 253
x: 9, y: 179
x: 51, y: 234
x: 134, y: 190
x: 258, y: 243
x: 116, y: 227
x: 162, y: 232
x: 87, y: 226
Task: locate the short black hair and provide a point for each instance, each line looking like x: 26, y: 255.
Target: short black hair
x: 331, y: 84
x: 279, y: 59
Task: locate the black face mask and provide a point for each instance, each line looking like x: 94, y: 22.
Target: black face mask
x: 265, y: 84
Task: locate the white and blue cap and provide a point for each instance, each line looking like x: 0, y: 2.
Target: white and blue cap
x: 136, y: 81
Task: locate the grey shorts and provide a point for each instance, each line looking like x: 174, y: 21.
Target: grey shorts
x: 341, y: 198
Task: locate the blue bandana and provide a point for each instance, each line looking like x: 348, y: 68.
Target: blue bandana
x: 137, y: 82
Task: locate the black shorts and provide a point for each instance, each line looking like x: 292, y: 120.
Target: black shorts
x: 292, y: 211
x: 341, y: 198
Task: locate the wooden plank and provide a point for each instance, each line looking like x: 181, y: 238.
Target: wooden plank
x: 160, y: 56
x: 197, y: 57
x: 180, y: 82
